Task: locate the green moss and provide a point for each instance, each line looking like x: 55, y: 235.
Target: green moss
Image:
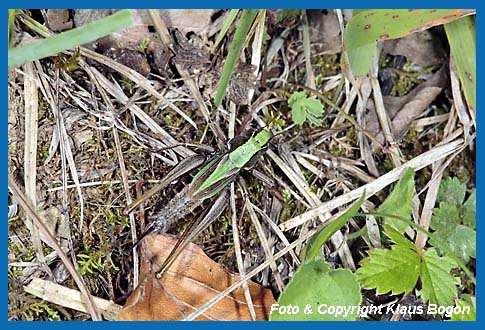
x: 352, y: 135
x: 412, y: 136
x: 133, y: 150
x: 116, y: 219
x: 143, y: 45
x: 290, y: 206
x: 14, y: 272
x: 42, y: 153
x: 337, y: 150
x: 403, y: 85
x: 255, y: 188
x: 128, y: 86
x: 328, y: 65
x: 171, y: 118
x: 94, y: 261
x: 288, y: 15
x: 39, y: 310
x: 388, y: 164
x: 408, y: 79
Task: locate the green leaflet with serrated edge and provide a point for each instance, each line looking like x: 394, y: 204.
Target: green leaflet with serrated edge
x: 438, y: 286
x: 316, y: 285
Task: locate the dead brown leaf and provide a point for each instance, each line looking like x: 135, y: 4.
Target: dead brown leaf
x: 191, y: 281
x: 185, y: 20
x: 324, y: 31
x: 404, y: 109
x: 58, y: 19
x: 422, y: 48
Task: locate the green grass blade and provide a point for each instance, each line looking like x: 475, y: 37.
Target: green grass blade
x: 35, y: 26
x: 314, y: 245
x: 11, y: 20
x: 462, y: 38
x: 247, y: 18
x: 369, y: 26
x: 225, y: 26
x: 69, y: 39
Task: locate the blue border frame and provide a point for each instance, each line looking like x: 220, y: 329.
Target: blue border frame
x: 235, y: 4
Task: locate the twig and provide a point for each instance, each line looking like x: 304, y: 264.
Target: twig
x: 47, y: 92
x: 257, y: 46
x: 429, y: 203
x: 248, y: 276
x: 365, y: 149
x: 98, y: 183
x: 277, y: 231
x: 140, y: 114
x: 337, y: 238
x: 460, y: 106
x: 165, y: 37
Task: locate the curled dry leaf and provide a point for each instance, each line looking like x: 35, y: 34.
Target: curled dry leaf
x: 404, y: 109
x: 324, y: 31
x: 191, y: 281
x: 422, y: 48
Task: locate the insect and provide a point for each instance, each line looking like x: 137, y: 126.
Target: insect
x: 210, y: 181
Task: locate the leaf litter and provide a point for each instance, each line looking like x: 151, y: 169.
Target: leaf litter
x: 140, y: 97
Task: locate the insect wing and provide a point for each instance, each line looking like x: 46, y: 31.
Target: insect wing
x: 195, y: 229
x: 184, y: 167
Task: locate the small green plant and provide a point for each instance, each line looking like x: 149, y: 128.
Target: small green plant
x: 143, y: 45
x: 329, y: 287
x: 305, y: 108
x: 469, y: 301
x: 396, y: 269
x: 11, y: 24
x: 95, y: 261
x: 39, y: 310
x: 275, y: 120
x: 454, y: 220
x: 90, y: 263
x: 288, y: 14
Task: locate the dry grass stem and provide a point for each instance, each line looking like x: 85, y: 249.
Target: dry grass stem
x: 30, y: 152
x: 124, y: 175
x: 69, y: 298
x: 417, y: 163
x: 461, y: 108
x: 237, y: 250
x: 337, y: 239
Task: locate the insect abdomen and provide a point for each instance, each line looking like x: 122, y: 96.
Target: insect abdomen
x: 177, y: 208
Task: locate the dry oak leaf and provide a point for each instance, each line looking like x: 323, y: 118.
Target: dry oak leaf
x: 190, y: 282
